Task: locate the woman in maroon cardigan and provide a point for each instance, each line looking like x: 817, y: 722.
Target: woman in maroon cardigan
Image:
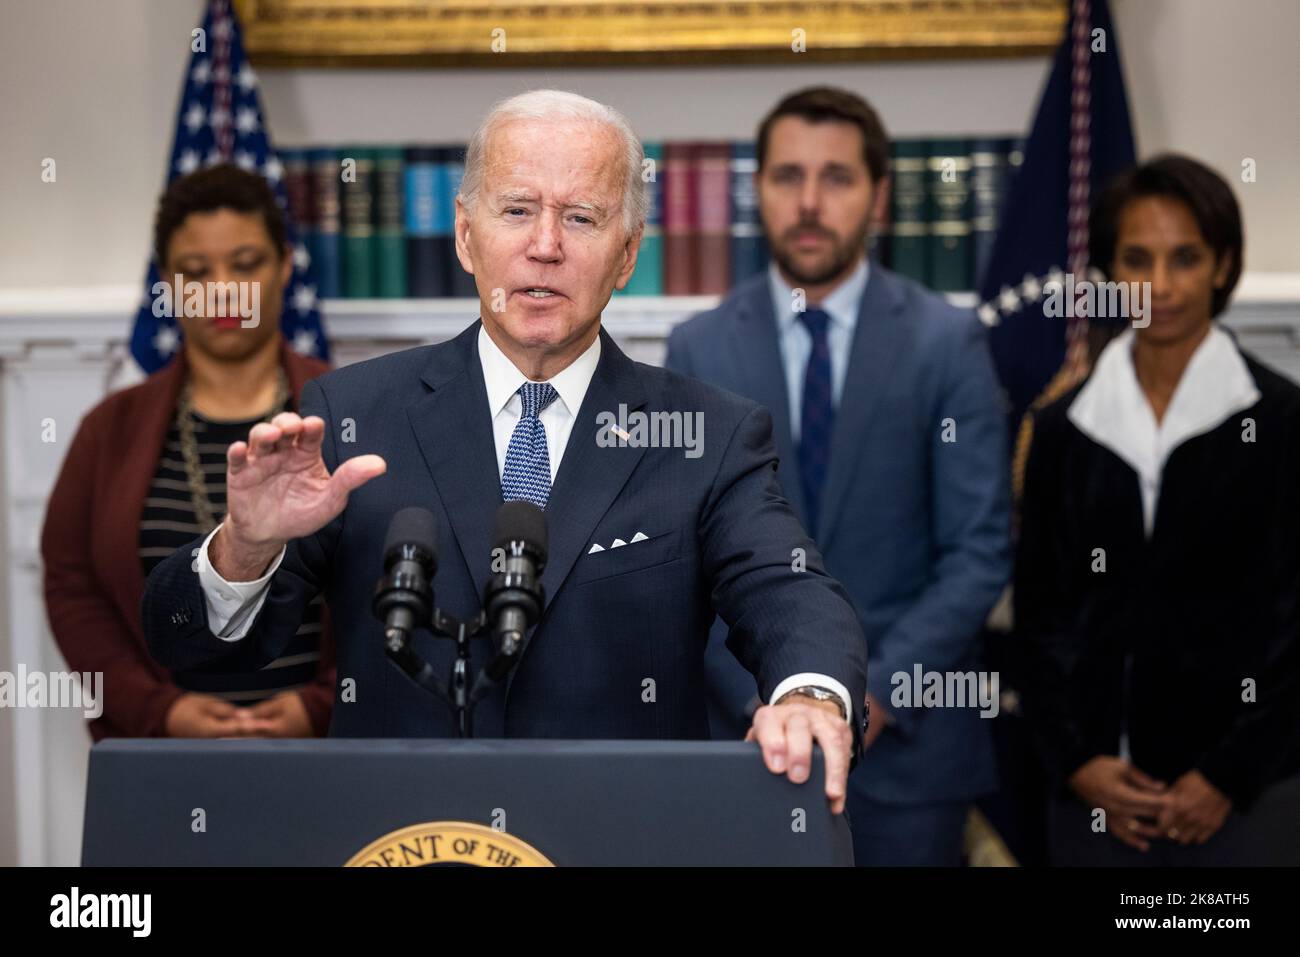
x: 146, y: 474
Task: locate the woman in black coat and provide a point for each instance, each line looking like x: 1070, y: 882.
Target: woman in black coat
x: 1157, y: 583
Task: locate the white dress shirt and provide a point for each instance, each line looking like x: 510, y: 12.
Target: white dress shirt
x: 503, y: 381
x: 233, y: 606
x: 1113, y: 411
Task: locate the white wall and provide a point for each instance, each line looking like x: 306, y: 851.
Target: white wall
x: 335, y: 106
x: 94, y: 86
x: 1218, y: 80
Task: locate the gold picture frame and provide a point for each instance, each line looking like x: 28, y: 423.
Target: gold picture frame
x: 515, y: 33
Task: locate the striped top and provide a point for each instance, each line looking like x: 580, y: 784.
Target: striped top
x: 169, y: 523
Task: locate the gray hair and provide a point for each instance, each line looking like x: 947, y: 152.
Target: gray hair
x: 555, y: 105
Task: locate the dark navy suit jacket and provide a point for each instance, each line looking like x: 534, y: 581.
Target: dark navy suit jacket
x: 720, y: 537
x: 916, y: 528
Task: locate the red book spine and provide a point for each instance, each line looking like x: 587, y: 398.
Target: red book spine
x: 713, y: 202
x: 681, y: 222
x: 298, y: 187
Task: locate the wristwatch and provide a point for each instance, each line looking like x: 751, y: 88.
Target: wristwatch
x: 818, y: 693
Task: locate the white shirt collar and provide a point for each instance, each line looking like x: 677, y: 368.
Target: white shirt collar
x: 1112, y: 409
x: 841, y: 304
x: 503, y: 379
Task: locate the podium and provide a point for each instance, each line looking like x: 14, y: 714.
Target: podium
x: 396, y: 803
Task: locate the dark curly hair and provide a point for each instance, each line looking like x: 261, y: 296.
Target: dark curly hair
x: 1205, y: 193
x: 224, y: 186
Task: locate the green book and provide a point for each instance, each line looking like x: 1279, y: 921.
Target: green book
x: 908, y: 236
x: 988, y: 191
x: 358, y: 202
x: 948, y: 203
x: 390, y: 222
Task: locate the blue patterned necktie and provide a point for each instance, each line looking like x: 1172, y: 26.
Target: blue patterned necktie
x: 527, y: 474
x: 817, y: 416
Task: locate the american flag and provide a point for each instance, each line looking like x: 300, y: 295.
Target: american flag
x: 220, y: 120
x: 1081, y: 139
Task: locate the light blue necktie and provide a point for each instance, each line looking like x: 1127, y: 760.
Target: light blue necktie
x: 527, y: 473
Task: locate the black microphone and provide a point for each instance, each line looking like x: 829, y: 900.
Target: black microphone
x: 404, y: 594
x: 514, y: 597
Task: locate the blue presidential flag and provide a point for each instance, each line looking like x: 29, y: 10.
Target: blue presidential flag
x: 220, y: 120
x: 1081, y: 139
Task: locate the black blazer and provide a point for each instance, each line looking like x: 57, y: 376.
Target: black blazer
x: 1166, y: 637
x: 719, y: 535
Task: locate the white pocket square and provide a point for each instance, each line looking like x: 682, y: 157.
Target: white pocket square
x: 618, y: 543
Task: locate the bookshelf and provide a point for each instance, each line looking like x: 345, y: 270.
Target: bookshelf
x: 640, y: 324
x: 434, y: 319
x: 378, y: 220
x: 418, y: 318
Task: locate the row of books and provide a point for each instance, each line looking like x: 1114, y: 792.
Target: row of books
x: 378, y: 220
x: 945, y: 208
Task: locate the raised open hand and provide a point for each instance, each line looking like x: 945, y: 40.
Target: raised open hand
x: 278, y: 489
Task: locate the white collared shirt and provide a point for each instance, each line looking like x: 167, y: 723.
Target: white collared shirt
x: 795, y: 341
x: 503, y: 380
x: 1113, y: 410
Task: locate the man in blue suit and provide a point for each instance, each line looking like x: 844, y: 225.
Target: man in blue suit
x: 890, y: 436
x: 652, y: 530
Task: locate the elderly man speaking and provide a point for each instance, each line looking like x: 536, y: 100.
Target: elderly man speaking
x: 647, y: 541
